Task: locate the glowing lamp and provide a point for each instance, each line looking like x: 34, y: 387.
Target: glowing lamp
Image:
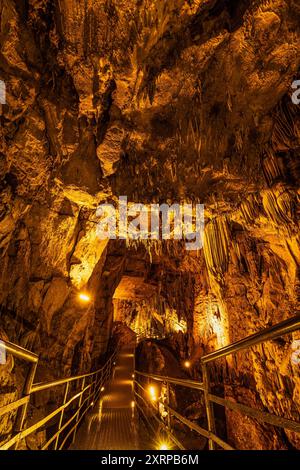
x: 187, y: 364
x: 163, y: 446
x: 84, y: 297
x: 132, y: 404
x: 153, y: 393
x: 102, y: 389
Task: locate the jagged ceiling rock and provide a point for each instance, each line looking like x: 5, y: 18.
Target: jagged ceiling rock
x: 163, y: 102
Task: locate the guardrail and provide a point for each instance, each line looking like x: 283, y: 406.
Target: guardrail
x: 142, y: 334
x: 286, y: 327
x: 82, y: 398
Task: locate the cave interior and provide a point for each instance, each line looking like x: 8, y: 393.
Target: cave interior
x: 178, y: 101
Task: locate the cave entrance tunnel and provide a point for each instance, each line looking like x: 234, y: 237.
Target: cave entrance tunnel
x: 150, y: 304
x: 144, y: 294
x: 137, y: 306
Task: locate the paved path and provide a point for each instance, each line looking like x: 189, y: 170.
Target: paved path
x: 113, y: 424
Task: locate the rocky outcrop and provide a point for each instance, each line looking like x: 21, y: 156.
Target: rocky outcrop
x: 178, y: 101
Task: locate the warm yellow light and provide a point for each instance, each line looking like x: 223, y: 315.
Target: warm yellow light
x: 132, y: 404
x: 92, y: 404
x: 180, y: 326
x: 163, y: 446
x: 133, y: 376
x: 102, y: 389
x: 187, y: 364
x: 84, y: 297
x: 152, y: 392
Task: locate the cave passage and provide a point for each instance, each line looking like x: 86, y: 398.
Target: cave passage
x: 112, y: 425
x: 149, y: 225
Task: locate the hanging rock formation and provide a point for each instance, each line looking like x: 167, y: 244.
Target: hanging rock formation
x: 177, y: 101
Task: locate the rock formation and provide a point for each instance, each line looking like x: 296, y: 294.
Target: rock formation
x: 178, y: 101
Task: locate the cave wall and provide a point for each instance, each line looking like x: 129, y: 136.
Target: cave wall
x: 162, y: 102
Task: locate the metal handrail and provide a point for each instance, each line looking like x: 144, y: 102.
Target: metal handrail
x: 167, y: 430
x: 172, y: 380
x: 194, y: 427
x: 273, y: 332
x: 18, y: 351
x: 38, y: 387
x: 105, y: 372
x: 97, y: 380
x: 288, y: 326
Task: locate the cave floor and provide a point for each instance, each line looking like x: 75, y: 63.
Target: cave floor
x: 113, y: 424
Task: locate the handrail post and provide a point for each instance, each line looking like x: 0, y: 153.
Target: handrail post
x: 208, y: 406
x: 91, y: 390
x: 21, y: 417
x: 101, y: 379
x: 62, y: 414
x: 93, y: 378
x: 108, y: 371
x: 168, y: 409
x: 95, y: 386
x: 78, y: 412
x: 100, y: 382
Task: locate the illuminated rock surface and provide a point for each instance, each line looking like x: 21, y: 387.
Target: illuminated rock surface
x: 163, y: 102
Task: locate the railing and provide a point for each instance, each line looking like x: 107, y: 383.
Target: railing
x: 283, y: 328
x: 79, y: 400
x: 142, y: 334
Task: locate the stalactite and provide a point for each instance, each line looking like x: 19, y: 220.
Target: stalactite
x: 279, y: 205
x: 216, y: 247
x: 250, y: 209
x: 285, y: 129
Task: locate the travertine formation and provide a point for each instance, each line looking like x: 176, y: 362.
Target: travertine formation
x: 161, y: 101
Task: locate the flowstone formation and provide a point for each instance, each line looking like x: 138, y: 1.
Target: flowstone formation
x: 178, y: 101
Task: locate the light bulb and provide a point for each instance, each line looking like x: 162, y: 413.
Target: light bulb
x: 84, y: 297
x: 163, y: 446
